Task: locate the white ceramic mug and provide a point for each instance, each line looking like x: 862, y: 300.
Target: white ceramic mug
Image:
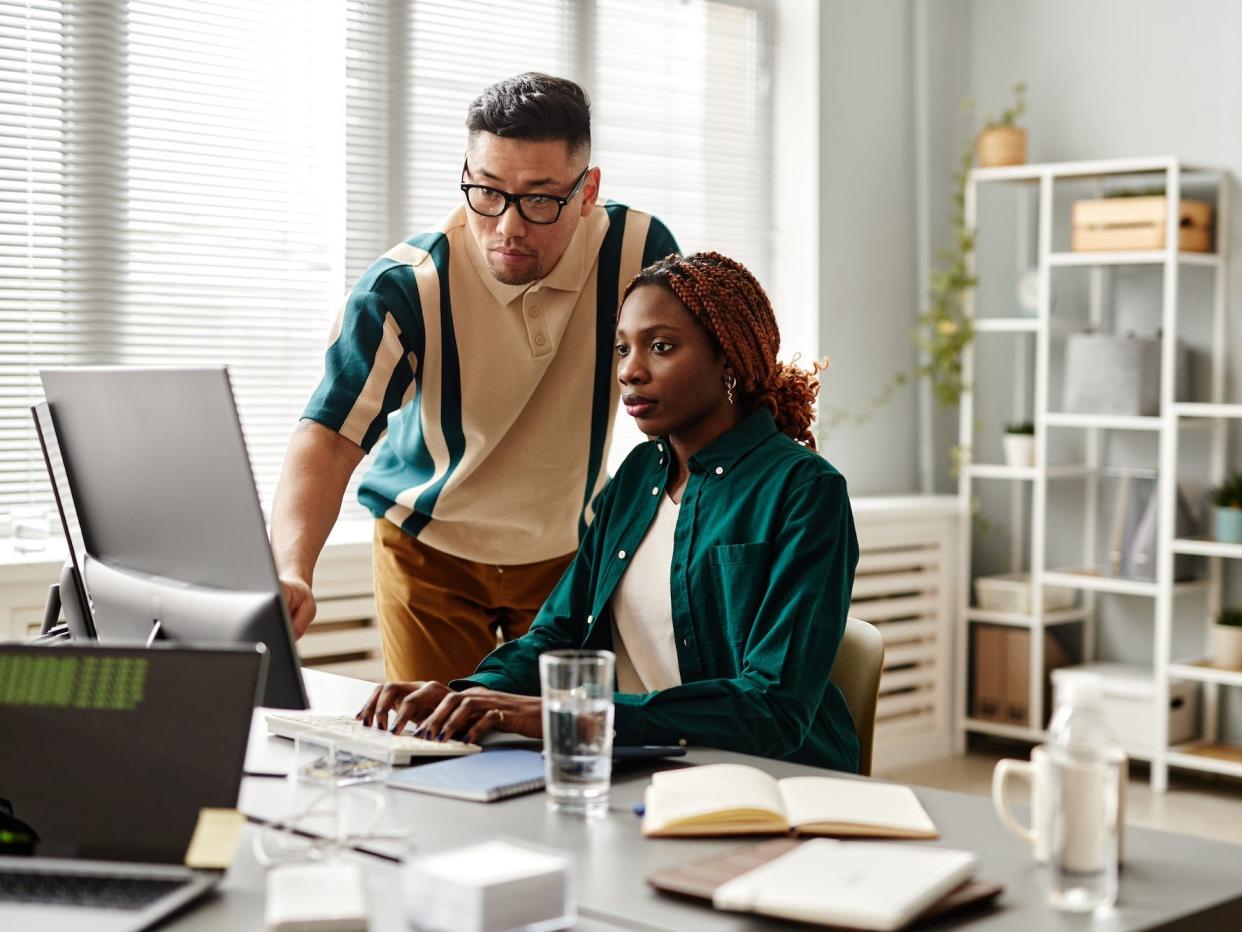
x: 1037, y: 772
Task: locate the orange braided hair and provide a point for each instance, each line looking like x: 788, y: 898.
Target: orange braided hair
x: 728, y: 301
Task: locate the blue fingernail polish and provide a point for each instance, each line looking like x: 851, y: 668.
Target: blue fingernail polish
x: 440, y: 736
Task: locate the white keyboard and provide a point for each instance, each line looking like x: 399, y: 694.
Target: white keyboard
x: 351, y: 735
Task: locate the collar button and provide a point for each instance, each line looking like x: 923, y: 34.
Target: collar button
x: 720, y: 470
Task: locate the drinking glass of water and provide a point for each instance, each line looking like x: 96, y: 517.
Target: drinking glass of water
x: 577, y: 729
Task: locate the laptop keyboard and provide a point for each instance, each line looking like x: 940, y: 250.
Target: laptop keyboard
x: 100, y: 891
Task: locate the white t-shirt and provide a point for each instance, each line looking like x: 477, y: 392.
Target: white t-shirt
x: 642, y: 611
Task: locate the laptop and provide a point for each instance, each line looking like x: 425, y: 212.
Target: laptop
x: 107, y: 756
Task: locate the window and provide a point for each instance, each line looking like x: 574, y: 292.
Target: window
x: 37, y: 327
x: 169, y: 196
x: 686, y: 135
x: 190, y: 183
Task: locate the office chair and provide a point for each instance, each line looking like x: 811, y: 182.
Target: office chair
x: 856, y: 673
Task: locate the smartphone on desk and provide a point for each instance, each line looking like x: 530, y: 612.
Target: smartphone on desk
x: 621, y: 753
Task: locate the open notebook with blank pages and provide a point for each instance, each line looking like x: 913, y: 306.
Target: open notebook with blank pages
x: 734, y: 799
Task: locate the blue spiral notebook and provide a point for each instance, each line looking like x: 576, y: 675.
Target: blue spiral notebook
x: 483, y: 777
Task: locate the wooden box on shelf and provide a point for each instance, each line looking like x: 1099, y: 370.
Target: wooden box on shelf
x: 1113, y: 223
x: 1001, y: 669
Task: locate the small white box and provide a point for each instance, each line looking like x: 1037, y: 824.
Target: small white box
x: 1129, y: 704
x: 1011, y: 592
x: 490, y: 887
x: 323, y: 897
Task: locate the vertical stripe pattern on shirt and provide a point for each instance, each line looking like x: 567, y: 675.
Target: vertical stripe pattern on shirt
x: 369, y: 362
x: 607, y: 284
x: 454, y: 438
x: 365, y: 414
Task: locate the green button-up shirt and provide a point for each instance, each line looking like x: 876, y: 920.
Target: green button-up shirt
x: 763, y: 564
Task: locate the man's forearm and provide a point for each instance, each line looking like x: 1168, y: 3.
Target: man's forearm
x: 317, y: 468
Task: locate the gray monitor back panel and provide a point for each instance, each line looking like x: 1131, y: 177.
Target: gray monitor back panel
x: 158, y: 467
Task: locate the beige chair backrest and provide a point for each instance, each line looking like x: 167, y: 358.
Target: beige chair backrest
x: 856, y: 673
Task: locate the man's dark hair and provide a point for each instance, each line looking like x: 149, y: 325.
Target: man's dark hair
x: 533, y: 106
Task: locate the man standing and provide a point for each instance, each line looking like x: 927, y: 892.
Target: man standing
x: 484, y: 348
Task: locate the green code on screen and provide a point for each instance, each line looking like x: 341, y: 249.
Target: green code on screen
x: 98, y: 683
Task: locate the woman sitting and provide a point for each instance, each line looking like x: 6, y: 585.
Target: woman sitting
x: 719, y: 564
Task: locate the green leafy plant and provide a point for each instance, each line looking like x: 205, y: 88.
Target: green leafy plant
x: 1151, y: 191
x: 1230, y: 618
x: 1010, y: 116
x: 944, y: 331
x: 1229, y: 493
x: 1022, y: 427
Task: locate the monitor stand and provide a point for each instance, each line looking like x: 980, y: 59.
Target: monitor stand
x: 77, y: 625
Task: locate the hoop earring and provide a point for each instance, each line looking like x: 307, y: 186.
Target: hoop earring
x: 730, y: 384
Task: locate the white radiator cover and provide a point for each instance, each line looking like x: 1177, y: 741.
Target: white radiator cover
x: 905, y: 586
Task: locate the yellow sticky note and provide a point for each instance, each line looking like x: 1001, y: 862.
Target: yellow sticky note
x: 215, y: 839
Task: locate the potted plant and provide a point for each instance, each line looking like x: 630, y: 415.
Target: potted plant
x: 1227, y: 639
x: 1002, y: 141
x: 1020, y: 444
x: 1227, y: 498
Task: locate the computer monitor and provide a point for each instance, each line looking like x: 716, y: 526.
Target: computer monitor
x: 70, y: 594
x: 172, y: 537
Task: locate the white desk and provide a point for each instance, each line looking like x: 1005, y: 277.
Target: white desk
x: 1169, y: 882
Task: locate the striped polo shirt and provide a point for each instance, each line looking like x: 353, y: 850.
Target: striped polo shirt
x: 497, y: 400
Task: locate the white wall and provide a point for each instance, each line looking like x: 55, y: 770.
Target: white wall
x: 867, y: 292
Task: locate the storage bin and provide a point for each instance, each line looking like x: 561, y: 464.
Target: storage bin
x: 1112, y: 223
x: 1113, y: 374
x: 1129, y: 704
x: 1011, y: 592
x: 1001, y: 673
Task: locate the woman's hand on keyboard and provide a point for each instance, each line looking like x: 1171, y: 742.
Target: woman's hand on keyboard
x: 473, y: 712
x: 409, y: 702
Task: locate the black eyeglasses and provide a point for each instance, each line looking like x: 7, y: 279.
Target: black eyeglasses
x: 535, y: 208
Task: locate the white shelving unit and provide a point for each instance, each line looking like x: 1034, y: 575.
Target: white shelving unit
x: 1173, y: 418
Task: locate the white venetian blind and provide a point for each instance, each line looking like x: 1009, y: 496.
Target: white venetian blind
x: 681, y: 97
x: 35, y: 317
x: 457, y: 48
x: 368, y: 99
x: 198, y: 183
x: 233, y: 227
